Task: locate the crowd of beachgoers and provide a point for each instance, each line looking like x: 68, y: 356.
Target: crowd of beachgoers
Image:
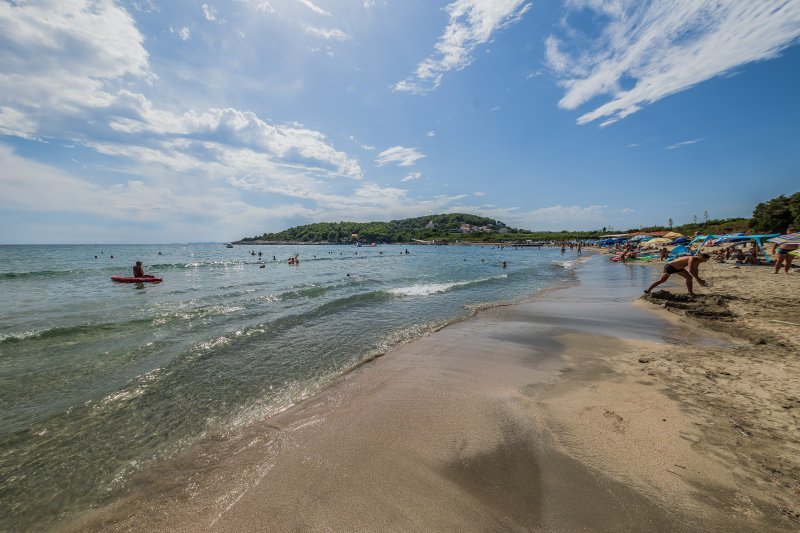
x: 739, y: 249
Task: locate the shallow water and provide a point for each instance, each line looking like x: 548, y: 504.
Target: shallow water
x: 100, y: 379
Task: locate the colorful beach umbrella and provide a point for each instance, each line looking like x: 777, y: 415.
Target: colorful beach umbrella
x: 793, y: 238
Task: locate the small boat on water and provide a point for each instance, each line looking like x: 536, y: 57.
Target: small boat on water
x: 228, y: 245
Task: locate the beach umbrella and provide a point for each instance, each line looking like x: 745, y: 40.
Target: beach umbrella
x: 792, y: 238
x: 658, y: 241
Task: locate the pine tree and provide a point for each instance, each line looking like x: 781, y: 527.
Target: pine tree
x: 670, y: 223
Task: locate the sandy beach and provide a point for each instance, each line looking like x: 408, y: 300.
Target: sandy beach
x: 584, y: 408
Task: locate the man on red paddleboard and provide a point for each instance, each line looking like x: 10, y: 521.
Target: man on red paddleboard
x: 138, y: 271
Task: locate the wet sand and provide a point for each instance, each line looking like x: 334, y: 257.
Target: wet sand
x: 536, y: 416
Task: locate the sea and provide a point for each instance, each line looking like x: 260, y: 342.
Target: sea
x: 99, y: 380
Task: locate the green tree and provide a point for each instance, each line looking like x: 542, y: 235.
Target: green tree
x: 794, y: 209
x: 773, y: 216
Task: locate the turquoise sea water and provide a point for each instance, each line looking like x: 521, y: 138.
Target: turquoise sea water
x: 100, y: 379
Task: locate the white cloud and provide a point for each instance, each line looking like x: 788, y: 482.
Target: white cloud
x: 412, y: 176
x: 177, y: 207
x: 367, y: 202
x: 313, y: 7
x: 177, y: 203
x: 45, y: 91
x: 40, y: 187
x: 404, y: 157
x: 184, y: 33
x: 369, y: 3
x: 683, y: 143
x: 209, y: 12
x: 650, y: 50
x: 229, y: 137
x: 471, y: 23
x: 264, y: 6
x: 58, y: 56
x: 431, y: 133
x: 479, y: 193
x: 328, y: 34
x: 12, y: 122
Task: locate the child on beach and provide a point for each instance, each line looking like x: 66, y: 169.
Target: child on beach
x: 680, y: 266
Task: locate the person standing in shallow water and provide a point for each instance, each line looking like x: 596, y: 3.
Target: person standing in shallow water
x: 680, y: 266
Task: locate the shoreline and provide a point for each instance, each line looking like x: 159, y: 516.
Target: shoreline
x: 517, y: 417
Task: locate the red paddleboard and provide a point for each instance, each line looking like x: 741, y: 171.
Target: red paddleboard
x: 124, y: 279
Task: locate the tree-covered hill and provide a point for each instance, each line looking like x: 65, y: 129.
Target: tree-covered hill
x: 776, y: 215
x: 429, y: 227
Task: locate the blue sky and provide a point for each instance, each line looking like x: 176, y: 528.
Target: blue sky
x: 174, y: 121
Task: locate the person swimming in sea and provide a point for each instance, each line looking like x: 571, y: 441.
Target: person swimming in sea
x: 680, y: 266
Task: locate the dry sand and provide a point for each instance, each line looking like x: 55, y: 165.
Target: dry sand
x: 576, y: 411
x: 748, y: 395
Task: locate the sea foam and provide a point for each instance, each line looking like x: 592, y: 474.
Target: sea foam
x: 426, y: 289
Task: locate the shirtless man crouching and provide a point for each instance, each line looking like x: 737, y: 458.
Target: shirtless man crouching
x: 680, y: 266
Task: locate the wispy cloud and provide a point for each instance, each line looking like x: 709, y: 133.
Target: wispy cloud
x: 314, y: 7
x: 412, y: 176
x: 471, y: 23
x: 431, y: 133
x: 404, y: 157
x: 651, y: 49
x: 327, y: 33
x: 683, y: 143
